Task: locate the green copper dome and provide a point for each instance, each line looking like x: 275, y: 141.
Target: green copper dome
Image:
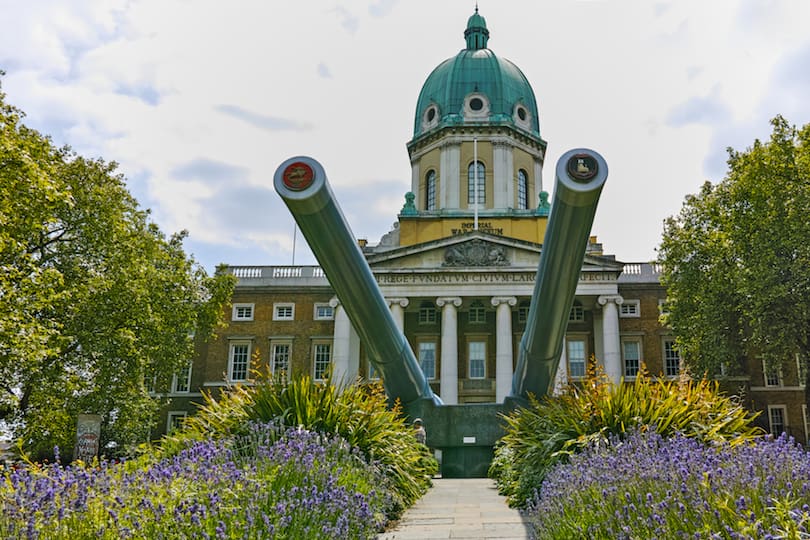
x: 476, y: 86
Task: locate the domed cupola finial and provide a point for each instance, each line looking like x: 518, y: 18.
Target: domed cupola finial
x: 476, y: 33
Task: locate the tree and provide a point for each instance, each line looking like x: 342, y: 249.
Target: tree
x: 95, y: 301
x: 736, y: 260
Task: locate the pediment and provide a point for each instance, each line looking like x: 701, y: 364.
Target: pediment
x: 474, y: 250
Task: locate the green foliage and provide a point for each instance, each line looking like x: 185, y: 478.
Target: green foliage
x: 357, y: 413
x: 736, y: 259
x: 94, y: 298
x: 555, y: 427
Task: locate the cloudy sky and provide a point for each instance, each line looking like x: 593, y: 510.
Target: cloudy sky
x: 200, y: 100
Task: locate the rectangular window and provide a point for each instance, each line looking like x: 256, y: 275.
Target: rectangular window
x: 239, y: 361
x: 523, y: 313
x: 181, y: 382
x: 322, y: 354
x: 631, y: 354
x: 522, y: 188
x: 772, y: 373
x: 577, y: 313
x: 663, y: 307
x: 672, y: 359
x: 777, y: 419
x: 430, y: 197
x: 427, y: 358
x: 630, y: 308
x: 284, y: 312
x: 175, y: 420
x: 801, y: 370
x: 280, y: 359
x: 576, y: 358
x: 242, y: 312
x: 324, y: 312
x: 427, y: 314
x: 477, y: 355
x: 477, y: 313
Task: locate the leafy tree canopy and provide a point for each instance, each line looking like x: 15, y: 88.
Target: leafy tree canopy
x: 95, y: 300
x: 736, y: 259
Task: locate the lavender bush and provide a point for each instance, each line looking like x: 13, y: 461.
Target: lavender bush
x: 646, y: 486
x: 295, y: 484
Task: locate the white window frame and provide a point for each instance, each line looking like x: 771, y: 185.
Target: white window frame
x: 319, y: 375
x: 278, y: 306
x: 800, y: 370
x: 663, y: 306
x: 772, y: 377
x: 428, y: 314
x: 238, y: 311
x: 783, y: 408
x: 577, y: 313
x: 231, y: 350
x: 477, y: 313
x: 178, y: 378
x: 664, y: 365
x: 640, y: 358
x: 172, y: 418
x: 523, y: 312
x: 319, y: 317
x: 274, y: 344
x: 630, y: 309
x: 430, y: 374
x: 576, y: 339
x: 470, y: 359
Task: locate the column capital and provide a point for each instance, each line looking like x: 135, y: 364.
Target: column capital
x: 334, y: 302
x: 403, y: 302
x: 498, y: 300
x: 449, y: 300
x: 615, y: 298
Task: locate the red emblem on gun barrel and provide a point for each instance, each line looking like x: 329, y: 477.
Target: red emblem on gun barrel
x: 298, y: 176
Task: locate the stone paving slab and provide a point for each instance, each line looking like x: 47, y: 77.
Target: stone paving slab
x: 458, y: 509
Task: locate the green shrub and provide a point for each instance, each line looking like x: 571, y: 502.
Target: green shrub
x: 358, y: 413
x: 554, y: 427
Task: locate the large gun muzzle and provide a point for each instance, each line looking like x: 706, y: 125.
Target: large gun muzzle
x: 301, y: 183
x: 581, y: 173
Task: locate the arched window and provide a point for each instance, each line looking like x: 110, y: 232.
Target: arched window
x: 522, y: 190
x: 471, y: 177
x: 430, y: 191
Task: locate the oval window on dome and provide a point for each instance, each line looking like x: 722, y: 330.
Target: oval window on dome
x: 431, y: 114
x: 521, y: 112
x: 476, y: 104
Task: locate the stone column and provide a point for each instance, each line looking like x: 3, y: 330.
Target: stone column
x: 345, y: 347
x: 449, y: 175
x: 610, y: 336
x: 503, y: 345
x: 448, y: 389
x: 398, y: 306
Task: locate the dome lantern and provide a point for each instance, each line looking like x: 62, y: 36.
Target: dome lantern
x: 476, y: 33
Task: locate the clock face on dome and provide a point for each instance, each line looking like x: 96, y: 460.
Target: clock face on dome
x: 582, y: 167
x: 298, y: 176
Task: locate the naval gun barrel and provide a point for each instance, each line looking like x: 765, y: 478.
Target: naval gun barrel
x: 301, y: 182
x: 580, y: 173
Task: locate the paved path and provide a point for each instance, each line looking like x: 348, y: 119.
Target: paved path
x: 468, y: 508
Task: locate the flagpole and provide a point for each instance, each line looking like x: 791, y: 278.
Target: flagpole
x: 295, y: 233
x: 475, y: 176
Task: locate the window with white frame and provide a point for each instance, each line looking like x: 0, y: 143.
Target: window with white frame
x: 477, y: 313
x: 630, y: 308
x: 239, y: 361
x: 175, y: 420
x: 631, y: 355
x: 242, y: 312
x: 324, y: 312
x: 427, y: 358
x: 801, y: 370
x: 577, y: 313
x: 772, y: 373
x: 575, y: 350
x: 284, y: 311
x: 280, y: 354
x: 477, y: 359
x: 427, y: 313
x: 430, y: 190
x: 777, y: 419
x: 322, y: 360
x: 672, y: 358
x: 663, y: 306
x: 523, y: 190
x: 181, y: 381
x: 523, y: 312
x: 478, y: 173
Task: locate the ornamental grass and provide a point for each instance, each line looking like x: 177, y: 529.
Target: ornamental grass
x: 551, y: 429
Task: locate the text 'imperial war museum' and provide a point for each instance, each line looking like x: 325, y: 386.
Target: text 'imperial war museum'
x: 458, y: 269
